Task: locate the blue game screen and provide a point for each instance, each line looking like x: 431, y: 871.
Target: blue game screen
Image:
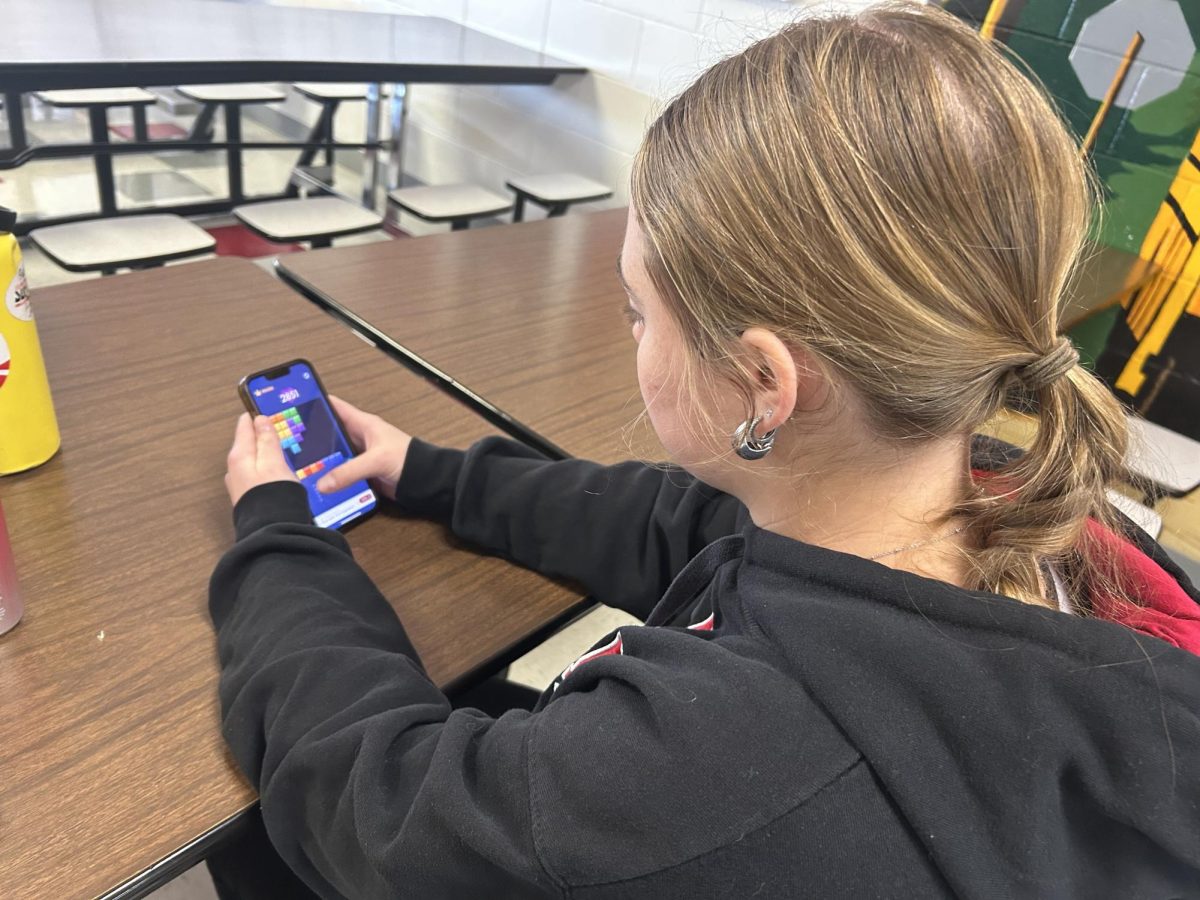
x: 312, y: 442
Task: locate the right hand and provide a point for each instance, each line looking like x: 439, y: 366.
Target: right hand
x: 381, y: 448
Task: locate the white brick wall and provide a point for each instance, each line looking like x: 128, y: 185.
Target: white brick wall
x: 641, y: 52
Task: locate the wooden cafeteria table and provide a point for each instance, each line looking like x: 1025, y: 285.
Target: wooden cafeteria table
x: 115, y: 775
x: 522, y: 322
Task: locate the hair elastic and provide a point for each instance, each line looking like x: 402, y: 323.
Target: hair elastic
x: 1050, y: 367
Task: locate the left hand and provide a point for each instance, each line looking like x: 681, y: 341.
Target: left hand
x: 256, y: 457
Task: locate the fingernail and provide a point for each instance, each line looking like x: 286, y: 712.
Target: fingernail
x: 325, y: 483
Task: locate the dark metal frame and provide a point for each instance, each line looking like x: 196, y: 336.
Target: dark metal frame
x: 553, y: 208
x: 320, y: 137
x: 420, y: 366
x: 17, y: 77
x: 106, y: 150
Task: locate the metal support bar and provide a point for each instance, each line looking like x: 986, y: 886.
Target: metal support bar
x: 330, y: 112
x: 320, y: 137
x: 87, y: 148
x: 519, y: 208
x: 233, y: 153
x: 140, y: 130
x: 202, y: 128
x: 395, y: 145
x: 15, y: 113
x: 371, y: 157
x: 98, y: 120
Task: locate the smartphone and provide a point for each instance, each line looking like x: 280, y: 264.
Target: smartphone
x: 314, y: 440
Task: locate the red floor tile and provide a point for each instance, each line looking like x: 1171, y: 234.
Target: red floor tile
x: 237, y: 240
x: 157, y: 131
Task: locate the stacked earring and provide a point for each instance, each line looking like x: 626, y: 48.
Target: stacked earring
x: 746, y: 445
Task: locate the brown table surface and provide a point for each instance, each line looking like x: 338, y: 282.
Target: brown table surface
x: 527, y: 317
x: 115, y: 776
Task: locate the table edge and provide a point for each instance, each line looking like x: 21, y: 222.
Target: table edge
x: 48, y: 75
x: 419, y: 365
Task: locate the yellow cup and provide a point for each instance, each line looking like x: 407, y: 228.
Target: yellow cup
x: 28, y: 429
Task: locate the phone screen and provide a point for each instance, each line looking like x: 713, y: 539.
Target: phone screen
x: 313, y: 443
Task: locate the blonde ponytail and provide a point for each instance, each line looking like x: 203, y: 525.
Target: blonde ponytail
x: 1032, y: 511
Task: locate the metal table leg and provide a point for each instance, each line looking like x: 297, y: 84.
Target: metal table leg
x: 98, y: 119
x: 399, y: 112
x: 371, y: 156
x: 233, y: 156
x: 141, y: 131
x: 15, y: 114
x: 202, y: 127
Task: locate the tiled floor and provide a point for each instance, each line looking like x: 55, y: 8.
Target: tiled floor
x: 63, y: 187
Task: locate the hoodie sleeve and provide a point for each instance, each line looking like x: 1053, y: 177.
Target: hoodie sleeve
x: 371, y: 785
x: 622, y: 531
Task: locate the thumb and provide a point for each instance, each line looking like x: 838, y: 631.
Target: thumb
x: 353, y: 418
x: 267, y: 440
x: 358, y: 469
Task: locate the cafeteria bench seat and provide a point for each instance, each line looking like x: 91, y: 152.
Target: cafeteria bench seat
x: 457, y: 204
x: 315, y: 219
x: 555, y: 191
x: 134, y: 242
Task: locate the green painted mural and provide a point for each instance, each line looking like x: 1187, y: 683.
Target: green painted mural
x: 1129, y: 71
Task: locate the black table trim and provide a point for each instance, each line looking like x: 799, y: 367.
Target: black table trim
x: 420, y: 366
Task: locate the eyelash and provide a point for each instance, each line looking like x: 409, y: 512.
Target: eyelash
x: 632, y: 316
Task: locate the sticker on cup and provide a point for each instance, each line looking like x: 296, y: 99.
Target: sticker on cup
x: 16, y: 298
x: 3, y: 360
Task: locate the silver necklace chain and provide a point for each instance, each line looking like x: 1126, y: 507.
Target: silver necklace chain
x: 921, y: 543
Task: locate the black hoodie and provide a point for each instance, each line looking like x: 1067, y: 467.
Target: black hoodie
x: 793, y: 721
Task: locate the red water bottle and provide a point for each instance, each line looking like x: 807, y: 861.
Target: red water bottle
x: 10, y: 594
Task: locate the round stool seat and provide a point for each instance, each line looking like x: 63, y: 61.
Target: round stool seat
x: 338, y: 90
x: 450, y: 202
x: 559, y: 187
x: 307, y: 218
x: 85, y: 97
x: 231, y: 93
x: 121, y: 242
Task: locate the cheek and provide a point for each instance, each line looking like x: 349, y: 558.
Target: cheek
x: 653, y: 368
x: 661, y: 385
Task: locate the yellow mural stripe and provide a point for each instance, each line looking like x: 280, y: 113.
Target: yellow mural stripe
x: 1170, y: 260
x: 1159, y: 229
x: 994, y: 14
x: 1132, y: 377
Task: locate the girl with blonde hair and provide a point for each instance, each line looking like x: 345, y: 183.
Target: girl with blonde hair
x: 881, y: 656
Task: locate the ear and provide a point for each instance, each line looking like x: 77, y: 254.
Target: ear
x: 776, y: 375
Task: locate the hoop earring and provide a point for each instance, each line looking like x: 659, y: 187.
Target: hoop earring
x: 747, y: 446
